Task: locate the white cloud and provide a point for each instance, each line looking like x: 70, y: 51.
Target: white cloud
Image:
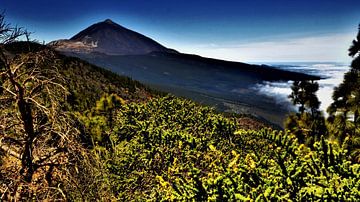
x: 331, y: 47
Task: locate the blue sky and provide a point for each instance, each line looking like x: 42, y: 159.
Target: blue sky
x: 247, y: 30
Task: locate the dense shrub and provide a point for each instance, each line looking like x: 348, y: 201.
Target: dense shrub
x: 171, y: 149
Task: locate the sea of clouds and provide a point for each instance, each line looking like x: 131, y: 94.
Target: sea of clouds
x: 331, y: 72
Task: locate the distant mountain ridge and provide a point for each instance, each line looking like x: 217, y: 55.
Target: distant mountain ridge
x: 228, y: 86
x: 109, y: 38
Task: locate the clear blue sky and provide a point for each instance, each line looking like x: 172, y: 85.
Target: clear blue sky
x: 246, y: 30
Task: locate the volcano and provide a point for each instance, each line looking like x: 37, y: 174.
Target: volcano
x: 110, y: 38
x: 228, y: 86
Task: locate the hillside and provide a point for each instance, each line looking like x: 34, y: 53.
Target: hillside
x: 106, y: 137
x: 227, y: 86
x: 85, y: 82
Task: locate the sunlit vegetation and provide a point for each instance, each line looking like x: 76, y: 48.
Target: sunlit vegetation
x: 345, y: 110
x: 75, y: 132
x: 171, y: 149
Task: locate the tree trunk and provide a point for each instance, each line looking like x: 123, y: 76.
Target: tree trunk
x: 27, y: 165
x: 356, y: 117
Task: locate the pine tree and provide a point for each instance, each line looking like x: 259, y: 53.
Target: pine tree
x: 308, y: 124
x: 347, y: 95
x: 344, y: 111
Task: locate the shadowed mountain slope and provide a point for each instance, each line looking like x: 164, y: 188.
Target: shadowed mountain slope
x: 110, y: 38
x: 228, y: 86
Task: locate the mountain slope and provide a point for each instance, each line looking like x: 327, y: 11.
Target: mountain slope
x: 86, y: 82
x: 228, y: 86
x: 110, y: 38
x: 161, y: 149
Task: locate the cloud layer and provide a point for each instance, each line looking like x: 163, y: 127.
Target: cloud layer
x: 331, y: 47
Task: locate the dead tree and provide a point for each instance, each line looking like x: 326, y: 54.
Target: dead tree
x: 34, y: 129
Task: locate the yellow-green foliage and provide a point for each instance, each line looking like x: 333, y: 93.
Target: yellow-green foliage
x: 170, y: 149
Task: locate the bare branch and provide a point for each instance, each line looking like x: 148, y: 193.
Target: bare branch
x: 50, y: 155
x: 9, y: 151
x: 9, y: 91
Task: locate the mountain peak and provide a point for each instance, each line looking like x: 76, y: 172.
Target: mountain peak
x: 109, y: 21
x: 110, y: 38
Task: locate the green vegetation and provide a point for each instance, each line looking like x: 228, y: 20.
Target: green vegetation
x: 342, y: 124
x: 171, y: 149
x: 345, y: 110
x: 308, y: 124
x: 73, y: 131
